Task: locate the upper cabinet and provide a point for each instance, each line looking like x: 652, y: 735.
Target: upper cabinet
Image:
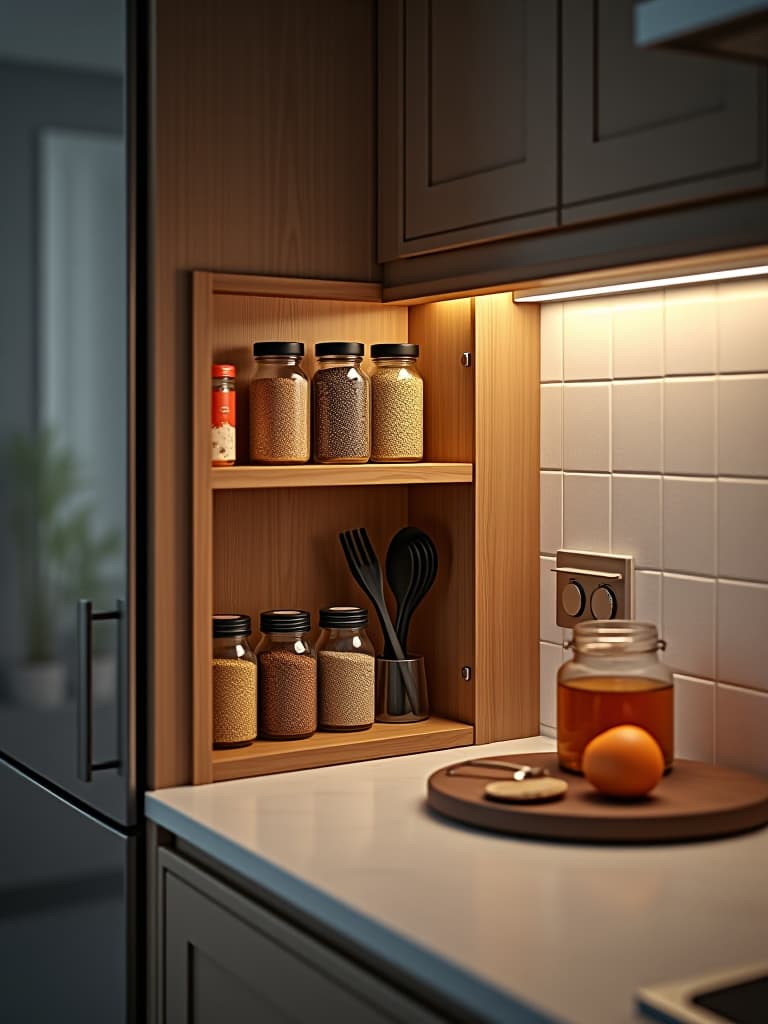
x: 507, y: 118
x: 643, y: 129
x: 468, y: 122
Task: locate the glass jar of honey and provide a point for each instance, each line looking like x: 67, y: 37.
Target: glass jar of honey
x: 614, y: 678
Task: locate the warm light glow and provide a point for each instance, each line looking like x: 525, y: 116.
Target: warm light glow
x: 638, y: 286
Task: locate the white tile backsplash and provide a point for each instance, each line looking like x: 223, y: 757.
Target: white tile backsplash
x: 743, y: 327
x: 637, y: 412
x: 742, y: 725
x: 694, y: 718
x: 549, y: 630
x: 742, y: 544
x: 690, y: 330
x: 743, y: 426
x: 689, y: 426
x: 587, y: 330
x: 742, y: 634
x: 551, y: 341
x: 689, y: 525
x: 587, y: 427
x: 587, y: 511
x: 636, y: 519
x: 648, y: 597
x: 683, y: 488
x: 638, y: 336
x: 688, y: 624
x: 551, y: 434
x: 550, y: 512
x: 550, y: 660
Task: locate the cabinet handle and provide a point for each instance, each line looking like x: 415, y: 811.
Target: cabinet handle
x: 86, y: 616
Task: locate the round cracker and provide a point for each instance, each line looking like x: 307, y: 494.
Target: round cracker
x: 527, y: 790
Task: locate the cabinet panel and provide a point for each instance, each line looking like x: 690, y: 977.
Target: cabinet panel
x: 468, y: 141
x: 644, y: 129
x: 223, y: 954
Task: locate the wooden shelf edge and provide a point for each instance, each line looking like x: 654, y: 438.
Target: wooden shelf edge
x: 231, y: 478
x: 296, y: 287
x: 268, y: 758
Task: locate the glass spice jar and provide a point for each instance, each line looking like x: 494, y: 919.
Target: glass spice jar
x: 223, y: 400
x: 287, y: 676
x: 341, y: 404
x: 397, y: 392
x: 614, y: 678
x: 345, y: 670
x: 279, y: 404
x: 234, y: 682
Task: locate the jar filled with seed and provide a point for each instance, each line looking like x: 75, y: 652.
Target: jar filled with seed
x: 397, y: 391
x: 279, y: 404
x: 287, y: 676
x: 234, y: 682
x: 345, y: 671
x: 341, y: 403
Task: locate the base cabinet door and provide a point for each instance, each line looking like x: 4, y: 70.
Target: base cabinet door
x: 468, y: 122
x: 645, y: 129
x: 225, y: 958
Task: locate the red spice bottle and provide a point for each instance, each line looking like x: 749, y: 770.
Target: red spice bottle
x: 223, y: 415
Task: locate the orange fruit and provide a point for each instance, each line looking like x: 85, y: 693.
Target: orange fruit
x: 623, y: 761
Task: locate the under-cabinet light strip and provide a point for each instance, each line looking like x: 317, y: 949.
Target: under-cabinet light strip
x: 637, y: 286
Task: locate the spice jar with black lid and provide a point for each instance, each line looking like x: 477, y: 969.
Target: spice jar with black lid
x: 341, y: 403
x: 287, y: 676
x: 234, y: 682
x: 397, y: 399
x: 345, y: 670
x: 279, y: 404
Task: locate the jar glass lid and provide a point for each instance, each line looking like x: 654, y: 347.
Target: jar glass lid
x: 615, y: 636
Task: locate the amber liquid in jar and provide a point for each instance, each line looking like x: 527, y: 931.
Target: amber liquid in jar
x: 586, y: 707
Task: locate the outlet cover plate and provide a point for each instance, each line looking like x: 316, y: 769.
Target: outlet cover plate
x: 591, y: 572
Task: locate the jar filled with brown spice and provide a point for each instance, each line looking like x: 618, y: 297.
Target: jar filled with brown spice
x: 287, y: 676
x: 234, y: 682
x: 397, y: 391
x: 345, y: 670
x: 279, y: 404
x: 341, y: 403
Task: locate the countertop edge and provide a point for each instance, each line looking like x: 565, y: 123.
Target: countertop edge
x: 461, y: 987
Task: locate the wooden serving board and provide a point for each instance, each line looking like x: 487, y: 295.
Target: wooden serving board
x: 694, y: 801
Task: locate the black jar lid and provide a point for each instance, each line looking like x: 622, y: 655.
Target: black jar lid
x: 278, y: 348
x: 343, y: 617
x: 231, y: 625
x: 281, y: 621
x: 394, y: 351
x: 339, y: 348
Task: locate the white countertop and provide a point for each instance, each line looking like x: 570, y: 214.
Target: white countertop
x: 496, y: 923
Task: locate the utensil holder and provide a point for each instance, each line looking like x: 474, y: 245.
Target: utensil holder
x: 401, y: 690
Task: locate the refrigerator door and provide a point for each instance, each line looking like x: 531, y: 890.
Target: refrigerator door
x: 67, y: 297
x: 68, y: 911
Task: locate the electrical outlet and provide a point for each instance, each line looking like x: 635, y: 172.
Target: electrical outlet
x: 593, y: 586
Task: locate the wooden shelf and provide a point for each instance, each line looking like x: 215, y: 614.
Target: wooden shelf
x: 232, y: 478
x: 265, y: 757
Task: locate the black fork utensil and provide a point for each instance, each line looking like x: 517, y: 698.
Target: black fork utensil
x: 366, y: 569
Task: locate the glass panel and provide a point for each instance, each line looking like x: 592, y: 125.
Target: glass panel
x: 63, y: 405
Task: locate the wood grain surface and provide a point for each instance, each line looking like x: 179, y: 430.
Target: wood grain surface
x: 264, y: 162
x: 694, y: 801
x: 506, y: 518
x: 264, y: 757
x: 231, y: 478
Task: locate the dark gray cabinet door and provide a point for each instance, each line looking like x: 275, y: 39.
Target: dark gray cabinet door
x: 224, y: 957
x: 468, y: 122
x: 644, y: 129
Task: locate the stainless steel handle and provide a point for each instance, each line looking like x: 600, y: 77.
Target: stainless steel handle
x: 588, y: 572
x: 86, y: 616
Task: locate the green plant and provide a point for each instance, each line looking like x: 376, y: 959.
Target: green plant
x: 60, y: 551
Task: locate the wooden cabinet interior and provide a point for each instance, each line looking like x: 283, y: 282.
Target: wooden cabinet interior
x: 271, y: 538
